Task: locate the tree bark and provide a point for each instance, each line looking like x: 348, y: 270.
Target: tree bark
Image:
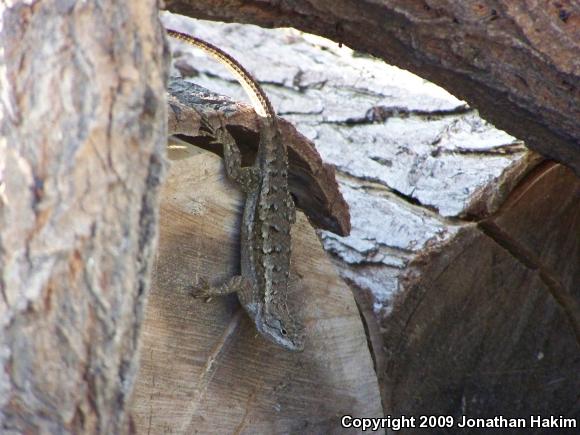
x: 463, y: 254
x: 518, y: 63
x: 83, y: 131
x: 312, y: 183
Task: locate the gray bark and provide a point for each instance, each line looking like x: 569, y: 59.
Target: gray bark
x: 463, y: 254
x: 83, y: 132
x: 517, y: 62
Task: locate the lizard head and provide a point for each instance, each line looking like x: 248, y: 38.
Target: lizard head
x: 279, y: 327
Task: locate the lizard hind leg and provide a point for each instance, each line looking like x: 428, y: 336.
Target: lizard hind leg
x: 248, y: 178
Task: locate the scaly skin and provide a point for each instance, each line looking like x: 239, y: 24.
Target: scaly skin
x: 269, y: 211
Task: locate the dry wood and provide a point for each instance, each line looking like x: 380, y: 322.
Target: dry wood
x: 517, y: 62
x: 83, y: 125
x: 495, y: 312
x: 418, y: 171
x: 312, y: 182
x: 204, y: 368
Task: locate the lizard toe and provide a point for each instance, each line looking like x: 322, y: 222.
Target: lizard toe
x: 200, y: 288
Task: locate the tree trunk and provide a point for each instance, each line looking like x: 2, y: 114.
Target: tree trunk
x: 517, y: 62
x: 83, y: 124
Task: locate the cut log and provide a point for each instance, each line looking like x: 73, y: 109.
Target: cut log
x: 419, y: 170
x: 517, y: 62
x: 491, y: 320
x: 312, y: 183
x: 204, y: 368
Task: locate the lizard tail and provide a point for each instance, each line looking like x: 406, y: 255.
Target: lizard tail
x: 259, y: 100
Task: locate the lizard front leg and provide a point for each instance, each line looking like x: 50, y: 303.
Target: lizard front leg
x: 236, y: 284
x: 242, y: 286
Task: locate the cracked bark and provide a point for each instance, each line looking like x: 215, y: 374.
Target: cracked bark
x: 81, y: 150
x: 489, y: 336
x: 510, y: 322
x: 502, y: 57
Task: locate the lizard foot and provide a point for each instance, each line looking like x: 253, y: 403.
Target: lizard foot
x: 201, y: 289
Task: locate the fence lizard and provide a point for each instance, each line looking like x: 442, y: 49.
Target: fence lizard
x: 262, y: 287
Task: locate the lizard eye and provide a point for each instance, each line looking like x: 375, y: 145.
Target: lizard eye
x: 283, y: 332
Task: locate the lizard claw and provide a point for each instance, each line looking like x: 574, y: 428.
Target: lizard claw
x: 200, y: 288
x: 205, y: 127
x: 217, y: 136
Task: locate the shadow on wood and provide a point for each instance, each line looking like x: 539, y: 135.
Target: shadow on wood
x: 487, y: 324
x: 204, y: 368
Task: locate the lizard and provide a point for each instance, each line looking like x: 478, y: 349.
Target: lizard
x: 269, y: 212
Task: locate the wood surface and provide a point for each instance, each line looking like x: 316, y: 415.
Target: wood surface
x: 204, y: 368
x: 82, y: 137
x: 517, y: 62
x: 83, y: 126
x: 490, y: 321
x: 457, y: 307
x: 312, y: 182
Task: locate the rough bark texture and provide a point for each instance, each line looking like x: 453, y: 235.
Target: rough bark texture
x: 517, y: 62
x: 504, y: 339
x: 464, y: 319
x: 83, y: 124
x: 204, y: 368
x: 312, y: 183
